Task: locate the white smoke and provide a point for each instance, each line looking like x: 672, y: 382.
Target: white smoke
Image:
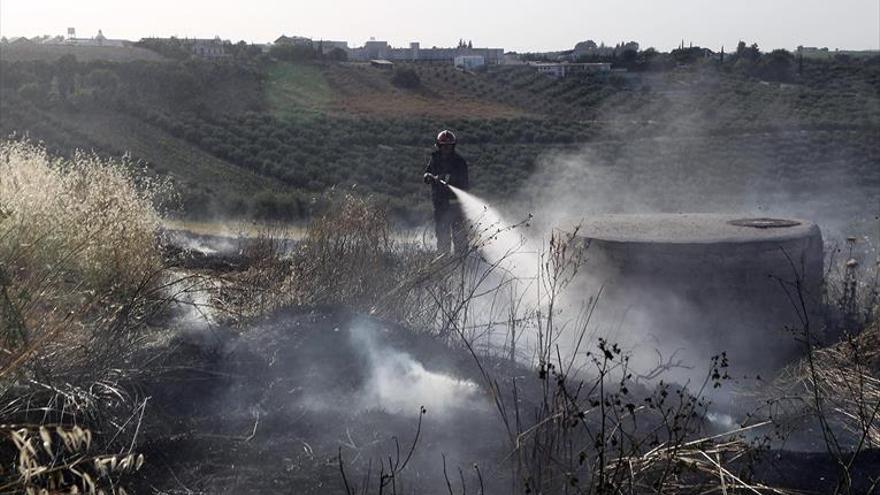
x: 398, y: 384
x: 191, y: 297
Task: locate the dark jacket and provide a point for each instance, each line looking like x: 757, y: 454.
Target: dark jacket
x: 455, y: 168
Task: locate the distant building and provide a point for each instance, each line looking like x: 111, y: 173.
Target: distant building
x: 206, y: 48
x: 210, y: 48
x: 54, y: 40
x: 469, y: 62
x: 326, y: 46
x: 565, y: 69
x: 374, y: 49
x: 710, y: 54
x: 550, y: 69
x: 512, y: 59
x: 98, y: 40
x: 811, y: 49
x: 295, y: 41
x: 71, y: 39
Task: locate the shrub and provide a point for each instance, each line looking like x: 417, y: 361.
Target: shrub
x: 406, y: 77
x: 337, y: 54
x: 291, y: 53
x: 346, y: 256
x: 86, y: 213
x: 79, y: 274
x: 31, y: 91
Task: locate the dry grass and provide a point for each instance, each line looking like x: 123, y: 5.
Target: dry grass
x: 80, y: 271
x: 59, y: 459
x: 85, y: 216
x: 352, y: 256
x: 846, y: 379
x: 78, y: 253
x: 836, y: 386
x: 265, y: 284
x: 699, y: 466
x: 348, y: 255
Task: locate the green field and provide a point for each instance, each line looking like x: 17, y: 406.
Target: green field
x: 294, y: 89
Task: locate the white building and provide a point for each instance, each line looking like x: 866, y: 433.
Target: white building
x: 512, y: 59
x: 208, y: 47
x: 98, y: 40
x: 374, y: 49
x: 550, y: 69
x: 294, y: 41
x: 564, y: 69
x: 469, y: 62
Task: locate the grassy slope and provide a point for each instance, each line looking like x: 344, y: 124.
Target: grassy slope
x: 33, y: 51
x: 117, y: 133
x: 171, y: 155
x: 351, y: 89
x: 316, y: 104
x: 294, y: 89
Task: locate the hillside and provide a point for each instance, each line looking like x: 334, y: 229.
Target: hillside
x: 262, y: 137
x: 27, y: 51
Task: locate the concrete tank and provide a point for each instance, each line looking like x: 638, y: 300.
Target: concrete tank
x: 709, y: 283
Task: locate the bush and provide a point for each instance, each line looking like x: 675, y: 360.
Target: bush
x: 31, y: 91
x: 79, y: 273
x: 86, y: 213
x: 346, y: 256
x: 406, y: 77
x: 291, y: 53
x: 337, y: 54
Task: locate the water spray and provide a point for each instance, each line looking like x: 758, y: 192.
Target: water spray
x: 498, y: 240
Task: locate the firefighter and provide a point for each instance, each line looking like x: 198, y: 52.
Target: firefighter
x: 447, y: 167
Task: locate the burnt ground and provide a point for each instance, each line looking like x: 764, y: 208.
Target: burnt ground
x: 818, y: 472
x: 267, y: 411
x: 216, y: 253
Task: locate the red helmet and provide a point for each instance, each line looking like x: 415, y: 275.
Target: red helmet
x: 445, y: 137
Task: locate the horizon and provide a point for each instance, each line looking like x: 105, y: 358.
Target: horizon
x: 850, y: 25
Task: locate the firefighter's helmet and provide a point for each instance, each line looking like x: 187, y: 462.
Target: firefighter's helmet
x: 445, y: 137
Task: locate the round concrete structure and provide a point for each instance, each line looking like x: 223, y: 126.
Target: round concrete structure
x: 710, y: 283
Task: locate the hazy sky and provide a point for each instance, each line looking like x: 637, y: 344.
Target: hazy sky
x: 510, y: 24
